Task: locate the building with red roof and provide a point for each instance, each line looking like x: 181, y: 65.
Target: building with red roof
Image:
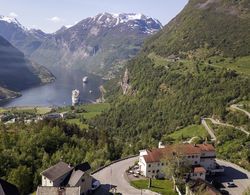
x: 199, y: 156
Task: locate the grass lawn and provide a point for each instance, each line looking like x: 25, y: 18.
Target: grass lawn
x: 165, y: 187
x: 189, y: 132
x: 28, y: 109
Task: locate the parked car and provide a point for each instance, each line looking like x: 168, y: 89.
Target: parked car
x: 136, y: 175
x: 96, y: 184
x: 231, y: 185
x: 131, y: 171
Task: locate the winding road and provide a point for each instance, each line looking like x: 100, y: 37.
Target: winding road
x: 235, y: 106
x: 114, y: 175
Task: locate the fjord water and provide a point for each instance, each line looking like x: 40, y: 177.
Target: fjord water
x: 59, y: 92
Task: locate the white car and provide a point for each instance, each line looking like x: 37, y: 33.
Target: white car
x: 96, y: 184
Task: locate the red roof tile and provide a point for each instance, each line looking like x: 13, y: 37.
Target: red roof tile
x: 199, y: 170
x: 155, y: 155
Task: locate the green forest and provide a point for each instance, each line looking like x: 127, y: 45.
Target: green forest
x: 27, y: 150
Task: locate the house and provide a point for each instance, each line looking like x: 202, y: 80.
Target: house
x: 201, y: 157
x: 56, y: 175
x: 66, y: 179
x: 7, y: 188
x: 199, y: 186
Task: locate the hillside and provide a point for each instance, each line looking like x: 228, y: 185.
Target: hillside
x: 17, y: 72
x: 101, y: 44
x: 166, y: 92
x: 222, y: 26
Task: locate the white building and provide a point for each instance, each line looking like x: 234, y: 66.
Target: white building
x: 66, y: 179
x: 200, y: 156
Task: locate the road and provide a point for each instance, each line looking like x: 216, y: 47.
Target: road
x: 113, y: 175
x: 234, y: 106
x: 228, y: 125
x: 236, y: 174
x: 209, y: 130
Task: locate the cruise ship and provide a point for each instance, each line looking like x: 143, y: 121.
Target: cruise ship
x: 75, y: 97
x: 85, y: 79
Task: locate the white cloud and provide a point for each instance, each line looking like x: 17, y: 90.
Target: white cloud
x: 13, y: 15
x: 55, y: 19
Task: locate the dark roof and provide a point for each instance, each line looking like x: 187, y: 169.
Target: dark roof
x: 83, y: 167
x: 75, y: 177
x: 8, y: 188
x: 203, y: 187
x: 47, y: 190
x: 57, y: 171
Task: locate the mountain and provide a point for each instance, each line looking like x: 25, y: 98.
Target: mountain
x: 222, y: 26
x: 100, y: 44
x: 196, y: 66
x: 17, y: 72
x: 20, y: 37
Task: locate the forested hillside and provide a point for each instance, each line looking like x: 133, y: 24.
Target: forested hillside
x: 196, y: 66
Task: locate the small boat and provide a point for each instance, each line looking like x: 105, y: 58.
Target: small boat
x: 90, y: 91
x: 85, y: 79
x: 75, y: 97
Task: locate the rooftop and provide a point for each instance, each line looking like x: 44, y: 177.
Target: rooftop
x: 199, y: 170
x: 155, y: 155
x: 57, y: 171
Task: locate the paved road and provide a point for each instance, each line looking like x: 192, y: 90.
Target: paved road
x: 114, y: 175
x: 234, y: 106
x: 236, y: 174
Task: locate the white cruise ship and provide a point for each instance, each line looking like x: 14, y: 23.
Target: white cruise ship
x: 75, y: 97
x: 85, y: 79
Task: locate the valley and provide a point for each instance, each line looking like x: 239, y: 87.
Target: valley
x: 184, y: 87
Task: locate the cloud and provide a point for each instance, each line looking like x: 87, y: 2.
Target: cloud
x: 55, y: 19
x: 13, y: 14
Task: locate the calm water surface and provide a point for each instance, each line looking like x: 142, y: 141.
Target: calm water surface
x: 59, y: 92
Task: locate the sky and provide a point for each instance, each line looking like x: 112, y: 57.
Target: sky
x: 50, y: 15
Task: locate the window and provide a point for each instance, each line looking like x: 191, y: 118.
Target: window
x: 195, y: 162
x: 149, y: 165
x: 157, y: 171
x: 192, y: 156
x: 83, y: 180
x: 158, y: 164
x: 162, y: 164
x: 153, y: 171
x: 200, y: 174
x: 149, y: 171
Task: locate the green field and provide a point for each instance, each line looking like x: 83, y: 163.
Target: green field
x: 28, y: 109
x: 240, y: 64
x: 165, y: 187
x: 94, y: 109
x: 88, y: 111
x: 189, y: 132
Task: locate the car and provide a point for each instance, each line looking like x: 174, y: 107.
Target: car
x: 135, y: 175
x: 131, y: 171
x: 231, y: 185
x: 96, y: 184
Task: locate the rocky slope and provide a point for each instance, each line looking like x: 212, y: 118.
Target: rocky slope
x: 17, y: 72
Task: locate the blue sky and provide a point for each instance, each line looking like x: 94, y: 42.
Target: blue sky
x: 50, y: 15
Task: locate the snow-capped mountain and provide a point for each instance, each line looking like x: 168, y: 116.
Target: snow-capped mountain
x: 98, y: 44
